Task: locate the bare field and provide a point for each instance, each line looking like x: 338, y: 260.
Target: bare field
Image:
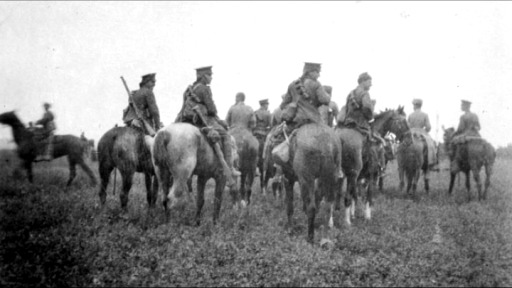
x: 56, y: 236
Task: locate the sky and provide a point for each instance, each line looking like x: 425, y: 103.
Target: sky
x: 72, y: 54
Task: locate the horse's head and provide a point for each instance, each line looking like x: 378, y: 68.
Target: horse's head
x: 393, y: 121
x: 448, y: 135
x: 9, y: 118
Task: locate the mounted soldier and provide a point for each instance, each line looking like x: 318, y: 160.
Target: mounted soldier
x: 300, y: 104
x: 468, y: 129
x: 46, y: 134
x: 420, y: 124
x: 329, y: 112
x: 241, y: 115
x: 199, y: 110
x: 142, y: 112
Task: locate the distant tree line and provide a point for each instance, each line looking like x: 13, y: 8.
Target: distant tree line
x: 504, y: 152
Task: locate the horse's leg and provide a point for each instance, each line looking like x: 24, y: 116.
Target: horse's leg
x: 201, y: 183
x: 289, y: 200
x: 243, y: 192
x: 149, y: 192
x: 338, y: 193
x: 468, y: 184
x: 127, y: 185
x: 369, y: 198
x: 426, y: 175
x: 401, y: 176
x: 476, y: 175
x: 488, y: 173
x: 250, y: 180
x: 87, y: 171
x: 72, y: 171
x: 220, y: 182
x: 350, y: 197
x: 452, y: 181
x: 28, y: 167
x: 307, y: 187
x: 105, y: 171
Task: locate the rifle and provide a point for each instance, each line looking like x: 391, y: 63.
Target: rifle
x: 147, y: 126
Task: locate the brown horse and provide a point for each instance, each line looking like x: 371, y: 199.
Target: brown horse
x: 315, y: 155
x: 412, y: 160
x: 247, y: 147
x: 353, y: 144
x: 269, y: 172
x: 64, y: 145
x: 124, y: 148
x: 475, y: 154
x: 179, y: 151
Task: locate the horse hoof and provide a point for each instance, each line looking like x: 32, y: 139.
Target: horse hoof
x: 244, y: 204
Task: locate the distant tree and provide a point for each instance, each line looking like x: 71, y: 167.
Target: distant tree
x: 504, y: 152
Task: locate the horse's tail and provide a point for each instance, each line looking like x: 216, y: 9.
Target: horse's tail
x: 161, y: 156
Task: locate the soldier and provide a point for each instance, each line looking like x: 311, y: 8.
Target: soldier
x: 48, y: 129
x: 263, y: 122
x: 240, y: 115
x: 419, y: 122
x: 199, y: 95
x: 142, y: 109
x: 328, y: 112
x: 469, y: 127
x: 303, y: 97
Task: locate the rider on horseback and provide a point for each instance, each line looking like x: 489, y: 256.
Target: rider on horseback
x: 198, y: 97
x: 469, y: 127
x: 240, y: 115
x: 142, y: 109
x: 47, y: 133
x: 420, y: 123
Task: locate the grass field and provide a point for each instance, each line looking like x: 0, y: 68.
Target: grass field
x: 55, y: 236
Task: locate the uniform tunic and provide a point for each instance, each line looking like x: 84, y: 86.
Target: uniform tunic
x: 307, y: 106
x: 468, y: 125
x: 263, y: 122
x: 359, y: 109
x: 240, y: 115
x: 420, y: 124
x: 419, y: 119
x: 145, y: 101
x: 48, y: 122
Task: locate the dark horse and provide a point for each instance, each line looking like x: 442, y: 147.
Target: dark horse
x: 64, y: 145
x: 353, y: 147
x: 179, y: 151
x: 475, y: 154
x: 247, y: 146
x: 412, y: 159
x: 315, y: 155
x: 124, y: 148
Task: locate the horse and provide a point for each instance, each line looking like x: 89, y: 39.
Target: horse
x: 63, y: 145
x: 389, y: 155
x: 352, y: 142
x: 476, y: 153
x: 412, y: 159
x: 269, y: 171
x: 124, y: 148
x: 179, y: 151
x: 247, y: 147
x: 315, y: 155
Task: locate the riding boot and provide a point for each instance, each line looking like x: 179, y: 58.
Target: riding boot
x: 228, y: 156
x: 49, y: 149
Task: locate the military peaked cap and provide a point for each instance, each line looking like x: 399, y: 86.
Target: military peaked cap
x: 46, y: 104
x: 363, y: 77
x: 308, y: 67
x: 264, y: 101
x: 417, y: 102
x: 148, y: 77
x: 466, y: 102
x: 204, y: 70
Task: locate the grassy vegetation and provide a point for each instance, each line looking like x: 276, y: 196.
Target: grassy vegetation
x: 55, y: 236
